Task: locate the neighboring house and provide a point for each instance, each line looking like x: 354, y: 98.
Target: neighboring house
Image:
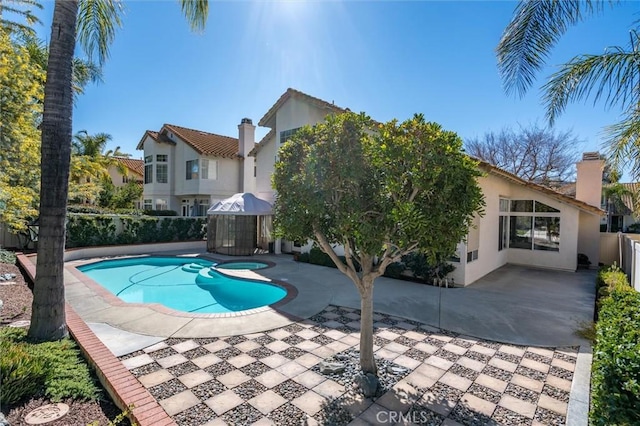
x: 619, y: 209
x: 524, y: 223
x: 187, y: 170
x: 134, y: 173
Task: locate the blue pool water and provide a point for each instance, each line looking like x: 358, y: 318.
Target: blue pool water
x: 183, y: 284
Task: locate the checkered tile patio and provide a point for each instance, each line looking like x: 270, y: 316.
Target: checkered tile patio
x: 268, y: 378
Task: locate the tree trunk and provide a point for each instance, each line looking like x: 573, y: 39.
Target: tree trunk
x: 48, y: 318
x: 367, y: 362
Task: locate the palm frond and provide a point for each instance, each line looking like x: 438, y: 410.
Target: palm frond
x: 196, y: 12
x: 83, y: 73
x: 98, y: 21
x: 614, y: 75
x: 623, y: 142
x: 22, y: 9
x: 536, y: 27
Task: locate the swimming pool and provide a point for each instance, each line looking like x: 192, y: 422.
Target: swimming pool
x: 184, y: 284
x: 243, y: 265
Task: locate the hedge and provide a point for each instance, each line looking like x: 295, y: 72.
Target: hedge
x: 615, y: 380
x: 85, y: 230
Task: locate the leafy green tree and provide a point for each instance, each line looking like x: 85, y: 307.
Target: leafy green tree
x: 21, y: 93
x: 380, y: 191
x: 612, y: 76
x: 96, y: 21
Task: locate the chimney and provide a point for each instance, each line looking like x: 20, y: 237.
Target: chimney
x: 246, y: 142
x: 589, y: 179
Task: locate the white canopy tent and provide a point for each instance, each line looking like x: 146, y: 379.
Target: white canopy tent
x: 240, y: 225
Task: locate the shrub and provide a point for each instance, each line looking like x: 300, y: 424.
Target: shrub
x: 395, y: 270
x: 161, y: 213
x: 634, y: 228
x: 303, y: 257
x: 53, y: 369
x: 7, y: 256
x: 22, y: 374
x: 616, y: 362
x: 423, y: 270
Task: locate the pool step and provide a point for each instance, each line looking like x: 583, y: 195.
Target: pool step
x: 207, y: 275
x: 192, y: 267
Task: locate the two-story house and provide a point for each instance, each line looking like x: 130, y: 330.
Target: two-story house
x: 187, y: 170
x: 524, y: 223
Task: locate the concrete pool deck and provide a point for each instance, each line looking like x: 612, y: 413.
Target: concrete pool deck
x: 514, y: 304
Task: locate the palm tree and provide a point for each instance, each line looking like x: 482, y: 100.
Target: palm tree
x: 90, y: 145
x: 613, y: 77
x: 19, y: 8
x: 96, y: 24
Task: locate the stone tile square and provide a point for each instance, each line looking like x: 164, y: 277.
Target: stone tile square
x: 425, y: 347
x: 389, y: 335
x: 309, y: 379
x: 278, y: 346
x: 337, y: 346
x: 279, y: 334
x: 262, y: 422
x: 414, y: 335
x: 441, y: 363
x: 471, y: 363
x: 330, y: 315
x: 334, y: 334
x: 291, y: 369
x: 247, y: 345
x: 156, y: 347
x: 559, y: 383
x: 458, y: 350
x: 332, y: 324
x: 557, y: 362
x: 329, y: 389
x: 354, y: 324
x: 241, y: 360
x: 275, y: 360
x: 504, y: 365
x: 396, y: 347
x: 224, y: 402
x: 436, y: 403
x: 308, y: 360
x: 518, y: 406
x: 400, y: 397
x: 358, y: 404
x: 406, y: 326
x: 216, y: 346
x: 205, y: 361
x: 179, y: 402
x: 553, y: 404
x: 185, y: 346
x: 541, y: 351
x: 419, y: 381
x: 478, y: 405
x: 172, y: 360
x: 215, y: 422
x: 323, y: 352
x: 483, y: 350
x: 267, y: 401
x: 155, y: 378
x: 451, y: 422
x: 233, y: 378
x: 196, y: 378
x: 491, y: 382
x: 407, y: 362
x: 455, y: 381
x: 271, y: 378
x: 442, y: 337
x: 307, y: 334
x: 310, y: 402
x: 527, y: 382
x: 350, y: 340
x: 430, y: 371
x: 513, y: 350
x: 387, y: 354
x: 307, y: 345
x: 535, y: 365
x: 137, y: 361
x: 372, y: 415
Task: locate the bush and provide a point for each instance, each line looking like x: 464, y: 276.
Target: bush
x: 395, y: 270
x: 423, y: 270
x: 7, y: 256
x: 303, y: 257
x: 615, y: 382
x: 22, y: 374
x: 634, y: 228
x: 52, y: 369
x: 161, y: 213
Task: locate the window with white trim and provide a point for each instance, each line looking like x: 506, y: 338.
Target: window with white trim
x: 162, y: 173
x: 285, y: 135
x: 193, y: 170
x: 147, y: 204
x: 148, y: 173
x: 161, y: 204
x: 533, y: 226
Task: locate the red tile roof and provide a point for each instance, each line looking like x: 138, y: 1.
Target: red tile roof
x: 136, y: 166
x: 203, y: 143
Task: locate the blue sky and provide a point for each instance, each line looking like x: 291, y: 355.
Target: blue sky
x: 389, y: 59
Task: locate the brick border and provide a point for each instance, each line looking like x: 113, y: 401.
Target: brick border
x: 123, y: 388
